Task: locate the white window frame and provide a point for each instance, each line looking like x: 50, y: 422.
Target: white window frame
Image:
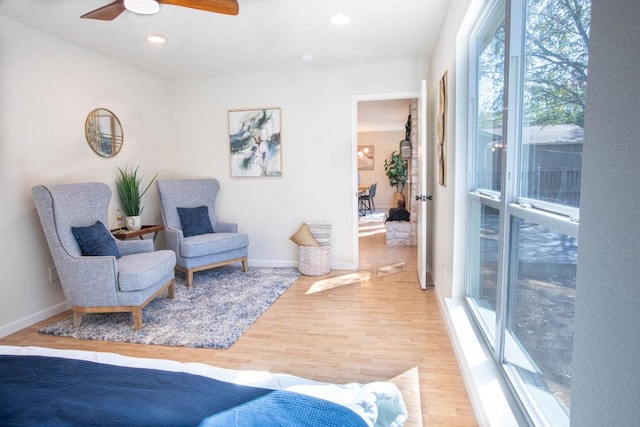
x: 541, y: 408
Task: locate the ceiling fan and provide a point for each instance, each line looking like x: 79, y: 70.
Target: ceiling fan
x: 111, y: 11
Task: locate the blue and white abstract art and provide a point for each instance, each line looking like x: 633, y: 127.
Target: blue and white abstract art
x: 256, y: 147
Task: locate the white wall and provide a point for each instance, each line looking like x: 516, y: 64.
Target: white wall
x: 318, y: 153
x: 178, y: 129
x: 606, y: 372
x: 48, y: 88
x: 384, y: 144
x: 448, y: 210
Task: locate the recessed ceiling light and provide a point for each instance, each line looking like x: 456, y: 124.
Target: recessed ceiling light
x: 144, y: 7
x: 306, y: 57
x: 340, y: 19
x: 156, y: 39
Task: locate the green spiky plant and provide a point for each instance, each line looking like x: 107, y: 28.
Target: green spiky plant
x: 129, y: 185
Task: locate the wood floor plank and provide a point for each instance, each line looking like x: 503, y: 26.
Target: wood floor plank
x: 384, y: 328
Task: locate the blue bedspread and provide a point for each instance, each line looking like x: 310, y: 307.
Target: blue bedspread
x: 47, y: 391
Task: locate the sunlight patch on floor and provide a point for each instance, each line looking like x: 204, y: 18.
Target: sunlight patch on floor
x: 375, y: 216
x: 365, y: 230
x: 409, y: 384
x: 353, y: 278
x: 371, y: 224
x: 334, y: 282
x: 385, y: 270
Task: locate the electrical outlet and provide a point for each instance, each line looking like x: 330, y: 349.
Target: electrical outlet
x: 53, y: 274
x: 443, y: 270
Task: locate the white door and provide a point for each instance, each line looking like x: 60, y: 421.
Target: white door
x: 423, y: 156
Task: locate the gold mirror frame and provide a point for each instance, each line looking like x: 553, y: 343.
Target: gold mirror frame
x: 104, y: 132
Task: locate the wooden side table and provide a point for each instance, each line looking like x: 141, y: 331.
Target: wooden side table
x: 124, y: 234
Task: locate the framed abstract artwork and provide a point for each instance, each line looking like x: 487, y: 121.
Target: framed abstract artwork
x: 255, y: 143
x: 365, y: 157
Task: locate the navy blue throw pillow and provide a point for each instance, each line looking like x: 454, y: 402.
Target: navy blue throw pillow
x: 195, y: 221
x: 95, y: 240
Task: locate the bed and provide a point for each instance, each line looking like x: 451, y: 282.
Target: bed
x: 42, y: 386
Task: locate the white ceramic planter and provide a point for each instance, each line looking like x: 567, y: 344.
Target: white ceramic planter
x: 134, y: 223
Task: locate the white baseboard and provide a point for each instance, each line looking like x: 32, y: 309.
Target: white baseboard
x: 27, y: 321
x: 272, y: 263
x: 344, y: 266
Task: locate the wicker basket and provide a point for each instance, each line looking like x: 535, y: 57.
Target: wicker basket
x: 314, y: 260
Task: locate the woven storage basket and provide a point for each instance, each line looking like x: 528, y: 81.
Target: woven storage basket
x: 314, y: 260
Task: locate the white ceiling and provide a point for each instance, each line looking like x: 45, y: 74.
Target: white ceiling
x: 383, y: 116
x: 267, y: 35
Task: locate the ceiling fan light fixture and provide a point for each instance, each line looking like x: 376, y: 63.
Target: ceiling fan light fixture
x: 144, y: 7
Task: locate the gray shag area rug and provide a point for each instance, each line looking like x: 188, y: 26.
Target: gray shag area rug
x: 222, y: 304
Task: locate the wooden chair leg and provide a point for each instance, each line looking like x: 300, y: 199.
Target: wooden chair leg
x: 189, y: 278
x: 77, y: 318
x: 172, y: 289
x: 137, y: 318
x: 245, y: 264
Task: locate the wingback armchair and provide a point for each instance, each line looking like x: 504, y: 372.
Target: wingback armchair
x: 213, y: 243
x: 123, y: 282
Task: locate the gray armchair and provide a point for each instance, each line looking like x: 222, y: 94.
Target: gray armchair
x: 100, y: 284
x: 208, y: 248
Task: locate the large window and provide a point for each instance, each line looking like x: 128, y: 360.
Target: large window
x: 528, y: 76
x: 489, y: 63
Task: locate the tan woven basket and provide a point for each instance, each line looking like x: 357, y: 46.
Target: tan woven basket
x: 314, y: 260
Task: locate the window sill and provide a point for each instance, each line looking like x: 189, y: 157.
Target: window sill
x: 489, y: 395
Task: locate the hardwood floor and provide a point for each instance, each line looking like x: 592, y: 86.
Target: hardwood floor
x: 383, y: 328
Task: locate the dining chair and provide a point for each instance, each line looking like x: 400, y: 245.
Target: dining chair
x: 366, y: 200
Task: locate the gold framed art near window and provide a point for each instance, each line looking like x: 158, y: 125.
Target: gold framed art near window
x: 441, y: 128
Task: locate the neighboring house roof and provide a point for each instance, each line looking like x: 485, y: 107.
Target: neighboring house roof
x: 553, y: 134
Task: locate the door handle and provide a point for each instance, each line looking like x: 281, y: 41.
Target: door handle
x: 423, y: 198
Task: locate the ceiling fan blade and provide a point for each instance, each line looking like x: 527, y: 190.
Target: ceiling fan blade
x: 106, y: 13
x: 227, y: 7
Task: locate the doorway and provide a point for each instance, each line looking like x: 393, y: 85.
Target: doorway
x: 379, y: 124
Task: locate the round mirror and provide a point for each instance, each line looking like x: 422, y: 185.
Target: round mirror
x: 104, y: 132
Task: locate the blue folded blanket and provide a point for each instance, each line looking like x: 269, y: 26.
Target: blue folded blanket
x: 37, y: 390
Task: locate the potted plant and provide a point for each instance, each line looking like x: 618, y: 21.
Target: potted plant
x: 396, y: 169
x: 128, y: 185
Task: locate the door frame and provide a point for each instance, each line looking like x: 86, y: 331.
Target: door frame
x: 354, y: 149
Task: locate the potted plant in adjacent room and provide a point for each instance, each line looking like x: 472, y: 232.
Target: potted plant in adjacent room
x: 396, y: 169
x: 129, y: 187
